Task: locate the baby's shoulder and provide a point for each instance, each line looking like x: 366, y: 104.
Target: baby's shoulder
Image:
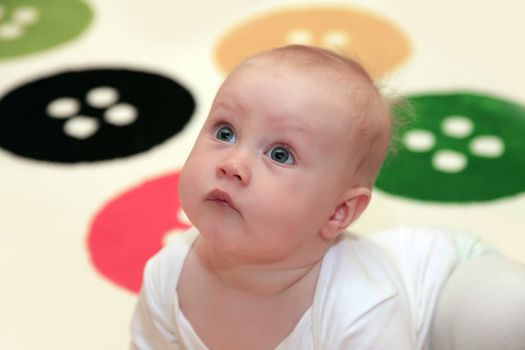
x: 358, y: 290
x: 356, y: 257
x: 356, y: 277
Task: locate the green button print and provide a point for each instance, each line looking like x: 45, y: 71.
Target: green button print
x: 28, y: 26
x: 457, y: 147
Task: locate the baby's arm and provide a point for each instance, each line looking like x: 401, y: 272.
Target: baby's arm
x: 151, y: 325
x: 482, y: 307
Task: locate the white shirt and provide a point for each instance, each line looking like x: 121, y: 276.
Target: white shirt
x: 373, y: 292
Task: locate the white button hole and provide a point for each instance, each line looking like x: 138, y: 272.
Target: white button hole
x: 9, y: 32
x: 121, y: 114
x: 419, y: 140
x: 26, y: 15
x: 63, y: 107
x: 487, y: 146
x: 457, y: 126
x: 449, y: 161
x: 336, y: 39
x: 300, y: 36
x: 81, y: 127
x: 102, y: 97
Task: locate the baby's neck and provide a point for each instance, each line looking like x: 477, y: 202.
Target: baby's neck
x: 256, y: 280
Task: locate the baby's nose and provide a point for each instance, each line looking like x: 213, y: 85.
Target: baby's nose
x: 235, y: 169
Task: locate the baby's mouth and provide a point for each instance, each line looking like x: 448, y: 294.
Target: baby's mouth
x: 221, y: 197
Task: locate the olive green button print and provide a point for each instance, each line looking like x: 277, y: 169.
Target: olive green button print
x: 457, y: 147
x: 28, y: 26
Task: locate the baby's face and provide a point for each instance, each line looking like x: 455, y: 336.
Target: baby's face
x: 270, y: 163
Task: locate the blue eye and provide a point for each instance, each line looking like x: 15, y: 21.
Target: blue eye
x: 226, y: 134
x: 281, y: 155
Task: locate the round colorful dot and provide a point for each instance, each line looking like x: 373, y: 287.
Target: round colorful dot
x: 43, y: 115
x: 379, y: 44
x: 132, y: 227
x: 34, y: 25
x: 478, y: 151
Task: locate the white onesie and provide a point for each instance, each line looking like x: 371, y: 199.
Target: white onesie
x: 374, y: 292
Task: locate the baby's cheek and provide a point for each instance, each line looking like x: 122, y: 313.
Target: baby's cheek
x: 190, y: 189
x: 183, y: 186
x: 280, y: 206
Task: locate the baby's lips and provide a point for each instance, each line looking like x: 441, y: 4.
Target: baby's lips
x: 378, y: 44
x: 221, y: 196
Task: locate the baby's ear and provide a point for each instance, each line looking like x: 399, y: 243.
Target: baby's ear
x: 352, y: 204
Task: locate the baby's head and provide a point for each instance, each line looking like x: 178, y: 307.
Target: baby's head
x: 288, y: 155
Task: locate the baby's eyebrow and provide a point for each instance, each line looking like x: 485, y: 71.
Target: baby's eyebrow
x: 295, y: 126
x: 228, y: 106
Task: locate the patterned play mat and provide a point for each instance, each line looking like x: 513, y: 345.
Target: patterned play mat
x: 100, y: 102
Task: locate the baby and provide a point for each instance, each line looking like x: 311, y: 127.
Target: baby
x: 285, y: 161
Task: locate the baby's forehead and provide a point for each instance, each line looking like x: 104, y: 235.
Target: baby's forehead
x: 336, y: 73
x: 346, y: 80
x: 311, y: 60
